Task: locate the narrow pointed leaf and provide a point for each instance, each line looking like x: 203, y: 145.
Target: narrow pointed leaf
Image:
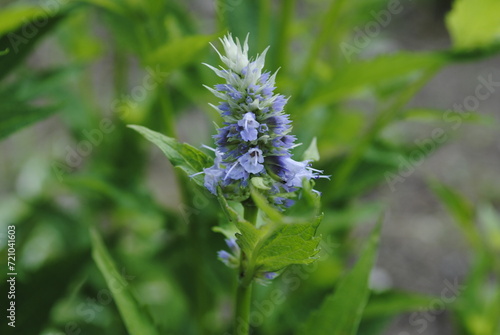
x: 282, y: 241
x: 181, y: 155
x: 135, y: 317
x: 461, y: 209
x: 340, y: 313
x: 21, y: 29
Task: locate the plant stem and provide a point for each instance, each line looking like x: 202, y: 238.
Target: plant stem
x: 244, y: 290
x: 251, y: 211
x: 242, y: 314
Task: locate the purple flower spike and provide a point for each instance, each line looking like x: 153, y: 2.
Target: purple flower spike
x: 254, y: 139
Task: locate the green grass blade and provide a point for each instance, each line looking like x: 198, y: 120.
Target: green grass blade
x: 341, y: 312
x: 137, y: 321
x: 461, y: 209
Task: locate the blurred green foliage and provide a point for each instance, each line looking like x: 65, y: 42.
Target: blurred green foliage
x: 93, y: 220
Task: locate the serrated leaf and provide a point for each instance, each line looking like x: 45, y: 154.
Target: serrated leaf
x: 341, y: 312
x: 474, y: 23
x: 281, y: 242
x: 137, y: 321
x: 293, y: 243
x: 181, y: 155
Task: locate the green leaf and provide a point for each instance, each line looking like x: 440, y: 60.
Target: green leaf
x: 382, y: 307
x: 490, y: 223
x: 341, y: 312
x: 180, y: 52
x: 371, y: 73
x: 280, y: 242
x: 4, y: 52
x: 137, y: 321
x: 14, y: 17
x: 478, y: 299
x: 21, y: 100
x: 461, y: 209
x: 383, y: 162
x: 395, y: 302
x: 474, y: 23
x: 21, y: 29
x: 13, y: 118
x: 109, y: 5
x: 181, y: 155
x: 259, y: 183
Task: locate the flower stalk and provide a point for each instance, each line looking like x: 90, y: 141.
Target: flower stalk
x: 245, y: 282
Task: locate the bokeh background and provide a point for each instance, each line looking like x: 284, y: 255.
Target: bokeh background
x: 94, y: 66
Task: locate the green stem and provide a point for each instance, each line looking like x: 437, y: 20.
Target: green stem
x: 244, y: 290
x: 251, y: 211
x: 243, y: 302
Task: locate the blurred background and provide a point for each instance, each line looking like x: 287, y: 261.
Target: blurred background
x: 402, y: 97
